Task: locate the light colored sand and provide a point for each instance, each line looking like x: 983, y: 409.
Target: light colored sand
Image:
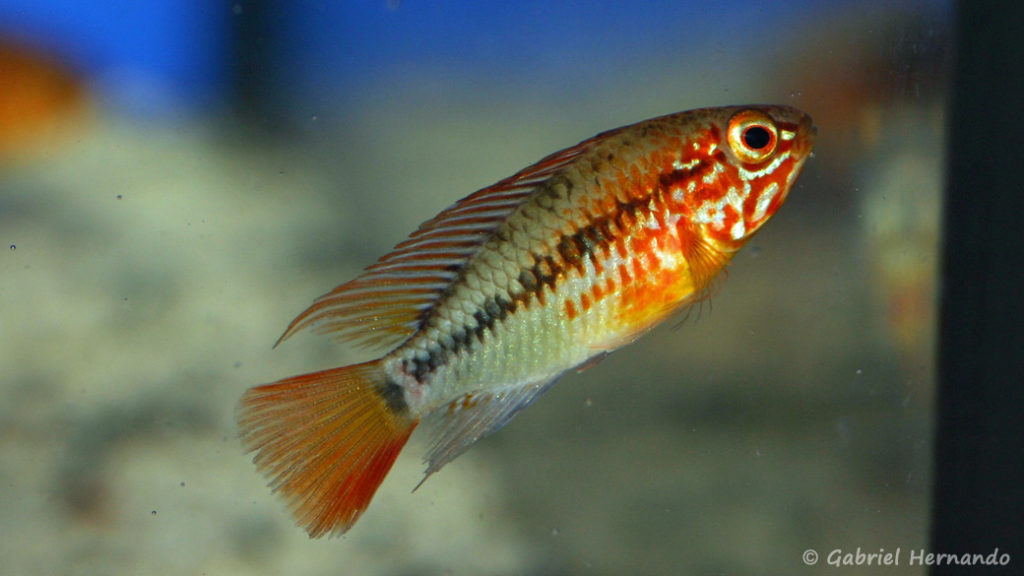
x: 155, y: 265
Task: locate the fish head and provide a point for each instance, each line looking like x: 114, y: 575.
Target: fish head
x: 748, y: 159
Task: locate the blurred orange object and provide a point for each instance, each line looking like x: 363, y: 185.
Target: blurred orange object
x: 41, y: 101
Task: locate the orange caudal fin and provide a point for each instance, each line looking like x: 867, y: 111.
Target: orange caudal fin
x: 326, y: 440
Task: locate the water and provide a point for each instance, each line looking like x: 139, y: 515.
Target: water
x: 156, y: 254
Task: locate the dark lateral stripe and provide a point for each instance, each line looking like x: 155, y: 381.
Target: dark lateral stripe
x: 394, y: 397
x: 463, y: 338
x: 670, y: 179
x: 571, y: 251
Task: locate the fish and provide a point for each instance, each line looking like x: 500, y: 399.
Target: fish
x: 43, y: 103
x: 487, y: 304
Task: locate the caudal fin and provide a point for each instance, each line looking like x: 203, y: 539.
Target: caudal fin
x: 326, y: 441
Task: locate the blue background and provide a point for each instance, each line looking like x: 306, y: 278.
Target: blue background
x: 164, y: 55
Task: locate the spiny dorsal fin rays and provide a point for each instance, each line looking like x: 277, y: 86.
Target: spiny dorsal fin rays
x: 386, y: 304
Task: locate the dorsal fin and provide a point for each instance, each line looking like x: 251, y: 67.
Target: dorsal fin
x: 385, y: 305
x: 470, y: 417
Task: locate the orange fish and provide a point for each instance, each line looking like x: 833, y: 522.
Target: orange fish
x: 487, y: 304
x: 41, y: 102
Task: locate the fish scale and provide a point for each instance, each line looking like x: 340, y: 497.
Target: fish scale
x: 487, y: 304
x: 514, y: 303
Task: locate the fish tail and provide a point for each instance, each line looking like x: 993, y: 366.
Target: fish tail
x: 326, y: 440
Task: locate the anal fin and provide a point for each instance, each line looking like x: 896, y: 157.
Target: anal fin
x: 468, y: 418
x: 592, y: 361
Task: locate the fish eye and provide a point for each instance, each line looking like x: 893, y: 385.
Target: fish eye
x: 757, y: 137
x: 752, y: 135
